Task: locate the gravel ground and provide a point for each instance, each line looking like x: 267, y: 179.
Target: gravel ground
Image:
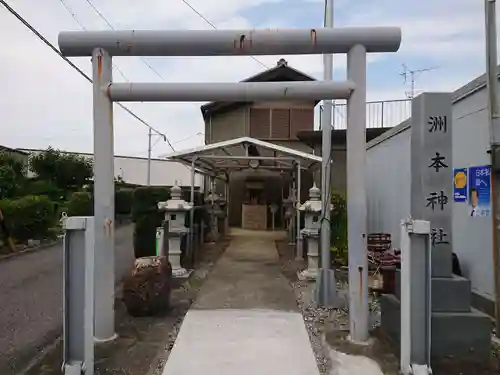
x: 144, y: 343
x: 328, y: 328
x: 321, y: 322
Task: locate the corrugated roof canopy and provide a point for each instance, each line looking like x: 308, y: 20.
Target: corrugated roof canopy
x: 220, y: 157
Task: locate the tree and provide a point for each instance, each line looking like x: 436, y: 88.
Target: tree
x: 68, y: 172
x: 12, y: 175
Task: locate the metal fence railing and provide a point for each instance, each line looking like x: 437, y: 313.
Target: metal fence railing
x: 379, y: 114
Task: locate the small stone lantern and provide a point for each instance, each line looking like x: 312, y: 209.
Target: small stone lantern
x: 175, y: 213
x: 216, y: 213
x: 290, y: 212
x: 312, y: 216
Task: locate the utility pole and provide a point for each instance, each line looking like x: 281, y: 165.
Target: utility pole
x: 494, y: 127
x: 413, y: 76
x: 149, y: 157
x: 150, y: 149
x: 325, y: 286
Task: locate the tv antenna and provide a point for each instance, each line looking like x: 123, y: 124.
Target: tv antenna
x: 412, y: 75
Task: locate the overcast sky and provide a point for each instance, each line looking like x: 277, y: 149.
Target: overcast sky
x: 45, y: 102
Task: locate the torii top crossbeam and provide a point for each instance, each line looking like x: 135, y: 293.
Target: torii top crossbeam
x: 230, y: 42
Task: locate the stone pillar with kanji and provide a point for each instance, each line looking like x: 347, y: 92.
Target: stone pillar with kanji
x: 176, y: 210
x: 457, y: 329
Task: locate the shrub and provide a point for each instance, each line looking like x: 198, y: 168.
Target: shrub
x: 69, y: 172
x: 145, y: 235
x: 12, y: 176
x: 80, y: 204
x: 147, y: 218
x: 123, y: 201
x: 338, y: 221
x: 145, y: 200
x: 48, y: 188
x: 29, y: 217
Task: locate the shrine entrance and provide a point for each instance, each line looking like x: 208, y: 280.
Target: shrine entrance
x: 255, y: 178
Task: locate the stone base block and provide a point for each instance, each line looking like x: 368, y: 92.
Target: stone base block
x: 454, y: 334
x: 308, y: 274
x: 449, y: 294
x: 181, y: 273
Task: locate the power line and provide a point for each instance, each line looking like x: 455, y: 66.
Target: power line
x: 215, y: 27
x: 81, y: 72
x: 99, y: 13
x: 77, y: 20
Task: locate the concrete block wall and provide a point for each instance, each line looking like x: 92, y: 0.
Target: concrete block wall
x: 388, y: 180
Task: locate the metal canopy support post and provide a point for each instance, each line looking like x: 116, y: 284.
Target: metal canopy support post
x: 230, y: 42
x: 150, y: 135
x: 415, y: 296
x: 292, y: 224
x: 299, y: 242
x: 356, y: 196
x: 326, y: 293
x: 190, y: 242
x: 78, y: 296
x: 227, y: 91
x: 104, y: 199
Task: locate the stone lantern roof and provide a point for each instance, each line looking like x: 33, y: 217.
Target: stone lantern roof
x: 314, y: 202
x: 175, y: 203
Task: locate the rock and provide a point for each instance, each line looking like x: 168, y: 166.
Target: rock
x: 146, y: 291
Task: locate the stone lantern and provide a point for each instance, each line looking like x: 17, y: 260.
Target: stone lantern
x: 215, y: 201
x: 290, y: 212
x: 312, y: 218
x: 175, y: 214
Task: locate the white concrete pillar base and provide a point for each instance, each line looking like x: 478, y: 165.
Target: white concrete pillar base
x: 179, y: 272
x: 98, y: 340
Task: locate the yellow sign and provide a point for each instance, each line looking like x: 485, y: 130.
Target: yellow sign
x: 460, y: 180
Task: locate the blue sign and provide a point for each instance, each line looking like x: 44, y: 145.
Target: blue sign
x: 460, y: 184
x: 480, y: 191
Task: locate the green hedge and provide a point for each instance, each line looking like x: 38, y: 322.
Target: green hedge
x: 338, y: 221
x: 123, y: 201
x: 29, y: 217
x: 41, y: 187
x: 147, y: 218
x: 145, y: 200
x: 80, y: 204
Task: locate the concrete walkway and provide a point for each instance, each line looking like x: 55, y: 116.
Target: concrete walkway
x: 245, y: 320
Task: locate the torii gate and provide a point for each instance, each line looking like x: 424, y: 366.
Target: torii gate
x: 102, y: 45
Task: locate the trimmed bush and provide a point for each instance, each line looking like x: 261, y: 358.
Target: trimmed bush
x: 338, y: 222
x: 29, y: 217
x: 147, y: 218
x: 41, y: 187
x: 145, y: 200
x: 123, y: 201
x: 80, y: 204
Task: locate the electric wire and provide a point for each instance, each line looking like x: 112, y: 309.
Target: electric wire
x: 215, y: 28
x: 81, y: 72
x: 101, y: 15
x: 82, y: 26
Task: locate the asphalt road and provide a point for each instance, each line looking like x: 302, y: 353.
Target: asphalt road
x: 31, y: 302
